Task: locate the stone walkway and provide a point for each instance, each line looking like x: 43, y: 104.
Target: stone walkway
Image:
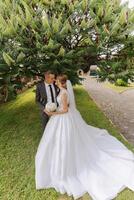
x: 118, y: 107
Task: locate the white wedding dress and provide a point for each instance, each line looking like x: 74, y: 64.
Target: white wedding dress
x: 75, y: 158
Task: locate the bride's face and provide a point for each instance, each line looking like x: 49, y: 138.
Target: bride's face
x: 58, y: 83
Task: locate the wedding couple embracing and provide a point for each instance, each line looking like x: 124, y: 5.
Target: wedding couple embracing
x: 74, y: 157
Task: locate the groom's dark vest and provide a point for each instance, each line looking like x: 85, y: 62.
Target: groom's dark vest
x: 41, y: 94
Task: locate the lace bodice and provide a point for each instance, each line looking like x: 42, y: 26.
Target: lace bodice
x: 59, y: 98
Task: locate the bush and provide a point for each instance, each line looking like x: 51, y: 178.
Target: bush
x: 120, y: 82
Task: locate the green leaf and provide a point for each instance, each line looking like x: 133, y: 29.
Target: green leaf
x: 123, y: 16
x: 56, y: 62
x: 66, y: 28
x: 88, y: 41
x: 8, y: 59
x: 131, y: 17
x: 84, y: 24
x: 45, y: 21
x: 55, y: 24
x: 28, y: 14
x: 61, y: 52
x: 84, y: 4
x: 50, y: 44
x: 20, y: 57
x: 64, y: 2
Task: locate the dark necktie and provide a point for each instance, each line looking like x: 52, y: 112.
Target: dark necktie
x: 51, y: 91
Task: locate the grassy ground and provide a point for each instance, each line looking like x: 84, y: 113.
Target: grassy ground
x: 119, y: 88
x: 20, y: 133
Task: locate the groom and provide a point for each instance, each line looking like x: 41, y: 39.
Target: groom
x: 46, y: 91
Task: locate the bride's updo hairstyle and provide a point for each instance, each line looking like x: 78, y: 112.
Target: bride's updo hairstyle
x: 63, y: 79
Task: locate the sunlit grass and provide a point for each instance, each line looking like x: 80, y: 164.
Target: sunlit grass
x: 20, y: 133
x: 119, y: 88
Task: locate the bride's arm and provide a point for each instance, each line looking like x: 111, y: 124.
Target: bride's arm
x: 65, y: 106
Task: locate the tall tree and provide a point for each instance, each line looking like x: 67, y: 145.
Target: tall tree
x: 65, y: 35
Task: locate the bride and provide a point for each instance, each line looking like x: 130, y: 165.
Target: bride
x: 75, y: 158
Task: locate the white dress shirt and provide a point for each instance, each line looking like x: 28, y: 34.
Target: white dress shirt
x: 49, y: 99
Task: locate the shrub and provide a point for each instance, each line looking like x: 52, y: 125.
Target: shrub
x: 120, y: 82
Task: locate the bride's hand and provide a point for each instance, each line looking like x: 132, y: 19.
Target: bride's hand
x: 49, y: 113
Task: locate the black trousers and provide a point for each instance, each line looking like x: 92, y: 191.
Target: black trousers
x: 44, y: 119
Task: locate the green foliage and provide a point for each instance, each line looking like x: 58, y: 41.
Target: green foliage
x: 120, y: 82
x: 64, y: 36
x: 114, y: 69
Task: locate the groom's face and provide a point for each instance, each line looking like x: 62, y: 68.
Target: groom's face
x: 50, y: 78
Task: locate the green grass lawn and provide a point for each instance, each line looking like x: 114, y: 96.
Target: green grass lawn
x: 119, y: 88
x: 20, y: 133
